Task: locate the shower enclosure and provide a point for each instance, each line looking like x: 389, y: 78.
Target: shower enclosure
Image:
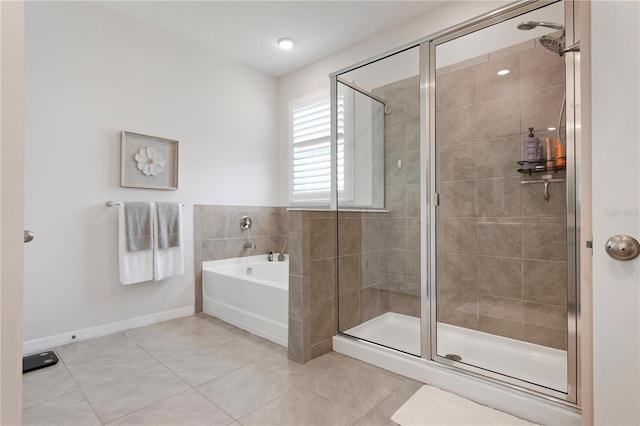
x: 454, y: 248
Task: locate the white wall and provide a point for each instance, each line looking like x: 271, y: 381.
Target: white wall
x: 11, y: 209
x: 91, y: 73
x: 615, y: 67
x: 314, y: 78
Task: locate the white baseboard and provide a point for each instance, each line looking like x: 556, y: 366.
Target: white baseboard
x: 45, y: 343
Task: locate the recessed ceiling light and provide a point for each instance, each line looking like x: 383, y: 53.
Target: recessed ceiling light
x: 503, y: 72
x: 551, y: 128
x: 285, y: 43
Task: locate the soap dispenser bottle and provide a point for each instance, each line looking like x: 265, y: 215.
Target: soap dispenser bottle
x: 270, y: 256
x: 531, y: 151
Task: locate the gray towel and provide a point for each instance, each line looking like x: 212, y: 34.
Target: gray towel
x: 138, y: 226
x: 168, y: 225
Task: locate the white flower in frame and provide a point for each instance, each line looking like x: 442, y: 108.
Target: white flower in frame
x: 150, y: 161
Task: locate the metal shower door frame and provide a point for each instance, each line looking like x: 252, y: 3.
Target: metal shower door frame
x: 430, y: 202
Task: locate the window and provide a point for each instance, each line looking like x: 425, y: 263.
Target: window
x: 311, y: 151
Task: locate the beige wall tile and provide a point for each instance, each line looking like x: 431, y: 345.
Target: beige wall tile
x: 394, y: 137
x: 396, y: 199
x: 295, y: 344
x: 499, y: 117
x: 235, y: 213
x: 456, y: 125
x: 459, y: 272
x: 323, y: 320
x: 458, y: 236
x: 467, y: 63
x: 294, y: 219
x: 395, y: 175
x: 456, y: 89
x: 545, y: 282
x: 458, y: 308
x: 500, y: 239
x: 501, y: 316
x: 413, y: 200
x: 299, y: 297
x: 457, y: 198
x: 214, y: 222
x: 542, y: 68
x: 499, y: 197
x: 544, y: 238
x: 412, y: 166
x: 412, y: 266
x: 493, y: 86
x: 214, y: 250
x: 235, y: 246
x: 512, y: 50
x: 349, y: 274
x: 369, y: 306
x: 322, y: 238
x: 545, y: 325
x: 413, y: 234
x: 349, y: 310
x: 323, y: 279
x: 369, y: 269
x: 398, y: 302
x: 321, y: 348
x: 392, y: 261
x: 498, y: 157
x: 457, y: 162
x: 349, y: 236
x: 534, y: 205
x: 540, y: 108
x: 498, y: 276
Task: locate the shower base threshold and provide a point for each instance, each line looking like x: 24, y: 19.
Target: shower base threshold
x: 525, y: 361
x: 396, y: 331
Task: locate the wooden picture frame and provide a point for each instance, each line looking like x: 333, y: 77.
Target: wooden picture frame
x: 148, y: 162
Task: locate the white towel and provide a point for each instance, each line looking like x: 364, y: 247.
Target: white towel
x: 136, y: 266
x: 168, y: 261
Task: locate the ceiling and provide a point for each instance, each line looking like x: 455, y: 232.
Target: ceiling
x: 246, y: 31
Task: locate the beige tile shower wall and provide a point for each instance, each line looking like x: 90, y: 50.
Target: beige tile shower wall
x: 312, y: 284
x: 397, y: 278
x: 218, y: 235
x: 501, y: 247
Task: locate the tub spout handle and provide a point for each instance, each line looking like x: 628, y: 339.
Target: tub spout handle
x: 281, y: 255
x: 249, y: 245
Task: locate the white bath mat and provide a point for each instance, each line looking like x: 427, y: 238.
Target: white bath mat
x: 432, y: 406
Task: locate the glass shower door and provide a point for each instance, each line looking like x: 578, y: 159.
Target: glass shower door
x: 378, y: 202
x: 502, y: 273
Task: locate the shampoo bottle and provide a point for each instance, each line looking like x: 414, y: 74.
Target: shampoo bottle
x: 561, y: 160
x: 531, y: 150
x: 548, y: 153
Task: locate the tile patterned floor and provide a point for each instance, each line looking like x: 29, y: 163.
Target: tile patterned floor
x: 199, y: 370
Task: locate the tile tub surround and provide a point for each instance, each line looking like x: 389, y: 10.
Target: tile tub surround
x: 200, y: 370
x: 217, y: 235
x: 501, y: 247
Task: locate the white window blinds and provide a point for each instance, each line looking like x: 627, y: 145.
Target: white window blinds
x: 311, y: 162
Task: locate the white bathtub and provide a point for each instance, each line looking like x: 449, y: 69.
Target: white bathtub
x: 250, y: 293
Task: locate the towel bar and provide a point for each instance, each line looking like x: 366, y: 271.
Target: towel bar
x: 114, y: 203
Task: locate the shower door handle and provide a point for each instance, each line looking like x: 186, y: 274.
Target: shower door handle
x: 28, y: 236
x: 622, y: 247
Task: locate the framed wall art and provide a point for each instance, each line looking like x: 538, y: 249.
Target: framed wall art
x: 148, y: 162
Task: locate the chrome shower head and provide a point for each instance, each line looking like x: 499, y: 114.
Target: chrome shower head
x: 554, y: 44
x: 529, y: 25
